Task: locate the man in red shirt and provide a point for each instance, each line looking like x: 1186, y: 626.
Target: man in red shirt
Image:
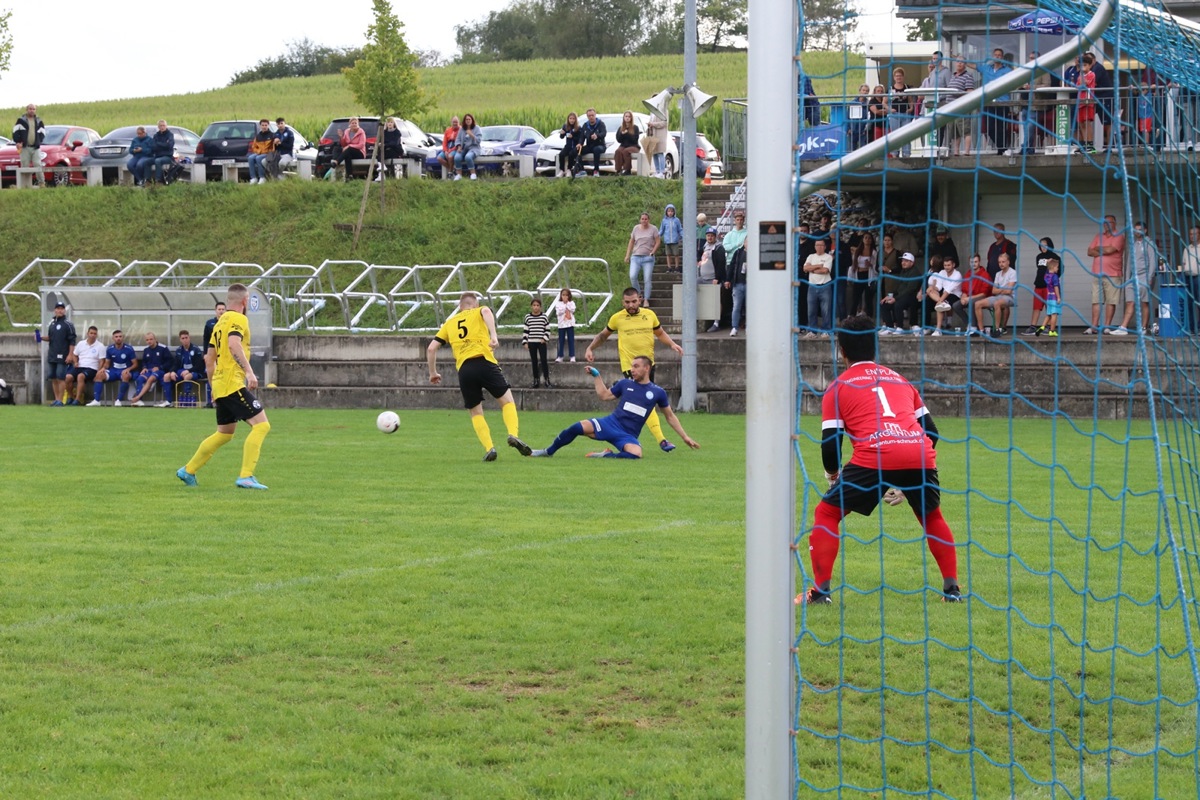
x: 1108, y: 265
x: 893, y: 436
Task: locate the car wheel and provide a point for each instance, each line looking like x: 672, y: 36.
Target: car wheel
x: 670, y: 166
x: 61, y: 178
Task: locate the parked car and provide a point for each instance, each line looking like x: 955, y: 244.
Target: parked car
x: 547, y: 157
x: 228, y: 142
x: 414, y: 140
x: 4, y: 140
x: 64, y: 146
x: 707, y: 155
x: 112, y: 150
x: 498, y: 140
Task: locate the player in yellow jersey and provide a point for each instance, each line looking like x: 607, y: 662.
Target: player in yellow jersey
x: 636, y: 330
x: 227, y: 360
x: 471, y: 333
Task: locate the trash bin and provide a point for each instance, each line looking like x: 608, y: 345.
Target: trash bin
x: 1172, y: 310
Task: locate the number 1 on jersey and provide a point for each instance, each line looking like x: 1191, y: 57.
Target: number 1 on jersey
x: 883, y: 401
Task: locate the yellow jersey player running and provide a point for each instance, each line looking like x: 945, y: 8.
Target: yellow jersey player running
x: 636, y: 330
x: 471, y: 334
x: 227, y: 360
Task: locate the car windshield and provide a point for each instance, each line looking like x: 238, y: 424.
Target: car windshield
x: 56, y: 133
x: 243, y: 129
x: 127, y: 132
x: 369, y: 126
x: 501, y: 133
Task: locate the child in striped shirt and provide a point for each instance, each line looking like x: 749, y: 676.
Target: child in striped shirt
x: 534, y: 338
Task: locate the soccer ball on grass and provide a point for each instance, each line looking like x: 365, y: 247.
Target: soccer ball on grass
x: 388, y: 422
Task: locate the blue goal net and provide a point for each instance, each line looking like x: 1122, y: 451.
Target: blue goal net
x: 1039, y: 168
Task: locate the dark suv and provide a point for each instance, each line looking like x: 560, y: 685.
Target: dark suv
x: 329, y: 138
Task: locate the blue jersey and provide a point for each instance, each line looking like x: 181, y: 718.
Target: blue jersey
x: 635, y: 401
x: 157, y: 357
x: 1053, y: 286
x: 190, y: 359
x: 120, y: 357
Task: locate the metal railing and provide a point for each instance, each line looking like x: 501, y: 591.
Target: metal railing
x: 337, y: 296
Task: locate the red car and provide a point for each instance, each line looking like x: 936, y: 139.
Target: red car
x: 64, y: 146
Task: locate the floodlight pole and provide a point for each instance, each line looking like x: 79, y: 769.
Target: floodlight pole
x: 687, y: 168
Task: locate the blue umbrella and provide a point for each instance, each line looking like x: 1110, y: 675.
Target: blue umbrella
x: 1048, y: 22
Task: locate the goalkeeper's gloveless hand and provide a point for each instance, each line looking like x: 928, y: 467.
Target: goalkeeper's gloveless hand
x: 893, y: 497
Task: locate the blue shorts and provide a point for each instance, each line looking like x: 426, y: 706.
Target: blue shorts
x: 1053, y: 307
x: 56, y: 370
x: 111, y: 374
x: 607, y: 430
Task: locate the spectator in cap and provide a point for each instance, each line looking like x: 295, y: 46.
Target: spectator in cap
x: 942, y: 245
x: 60, y: 345
x: 900, y: 295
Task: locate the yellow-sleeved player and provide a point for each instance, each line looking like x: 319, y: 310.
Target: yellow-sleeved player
x: 227, y: 360
x: 636, y: 330
x: 471, y: 334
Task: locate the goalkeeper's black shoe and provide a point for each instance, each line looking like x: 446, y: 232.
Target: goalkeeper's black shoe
x: 952, y: 595
x: 814, y: 597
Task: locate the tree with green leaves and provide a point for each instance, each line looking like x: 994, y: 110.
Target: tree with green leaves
x: 385, y: 80
x: 302, y: 59
x: 828, y: 24
x: 6, y: 43
x: 921, y: 30
x: 720, y: 21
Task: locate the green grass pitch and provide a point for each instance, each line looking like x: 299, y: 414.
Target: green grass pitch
x: 396, y: 618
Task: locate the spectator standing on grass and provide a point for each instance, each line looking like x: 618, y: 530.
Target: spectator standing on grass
x: 156, y: 362
x: 188, y: 366
x: 637, y: 397
x: 534, y: 336
x: 1108, y: 266
x: 468, y: 146
x: 88, y: 355
x: 471, y: 333
x: 60, y: 342
x: 1045, y: 253
x: 141, y: 150
x: 627, y: 144
x: 569, y: 161
x: 644, y: 242
x: 261, y: 147
x: 351, y: 146
x: 595, y: 136
x: 120, y: 364
x: 449, y: 137
x: 234, y: 381
x: 564, y: 313
x: 637, y: 330
x: 28, y: 134
x: 893, y: 437
x: 163, y: 150
x: 671, y: 232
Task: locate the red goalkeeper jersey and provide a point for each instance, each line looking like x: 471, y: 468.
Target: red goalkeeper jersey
x: 881, y: 413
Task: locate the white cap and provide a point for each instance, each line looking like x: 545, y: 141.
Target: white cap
x: 907, y: 257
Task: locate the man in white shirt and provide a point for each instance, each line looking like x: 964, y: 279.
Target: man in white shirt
x: 88, y: 355
x: 1003, y: 297
x: 819, y: 270
x: 1190, y: 272
x: 944, y: 289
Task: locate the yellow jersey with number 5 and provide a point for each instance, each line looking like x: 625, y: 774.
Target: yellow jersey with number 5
x: 229, y: 376
x: 468, y: 336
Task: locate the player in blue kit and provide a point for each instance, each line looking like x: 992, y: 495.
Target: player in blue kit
x: 156, y: 362
x: 120, y: 364
x: 189, y: 366
x: 636, y: 397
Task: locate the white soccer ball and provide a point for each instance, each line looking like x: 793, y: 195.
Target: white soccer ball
x: 388, y: 422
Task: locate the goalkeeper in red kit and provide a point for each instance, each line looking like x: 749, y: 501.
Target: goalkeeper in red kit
x: 893, y: 436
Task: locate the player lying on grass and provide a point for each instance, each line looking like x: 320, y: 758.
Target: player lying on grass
x: 893, y: 436
x: 636, y: 397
